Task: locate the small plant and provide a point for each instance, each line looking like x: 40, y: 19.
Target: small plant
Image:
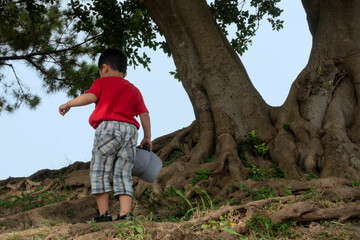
x: 185, y: 209
x: 234, y: 202
x: 224, y: 223
x: 203, y: 175
x: 328, y: 84
x: 3, y: 191
x: 208, y: 202
x: 150, y: 202
x: 210, y: 159
x: 71, y: 213
x: 263, y: 193
x: 243, y: 187
x: 235, y: 233
x: 288, y: 191
x: 258, y: 174
x: 230, y: 188
x: 321, y: 71
x: 260, y: 149
x: 180, y: 209
x: 277, y: 172
x: 4, y: 226
x: 254, y: 144
x: 14, y: 237
x: 132, y: 230
x: 286, y: 126
x: 263, y: 227
x: 168, y: 162
x: 354, y: 182
x: 94, y: 227
x: 241, y: 147
x: 253, y: 137
x: 178, y: 152
x: 311, y: 193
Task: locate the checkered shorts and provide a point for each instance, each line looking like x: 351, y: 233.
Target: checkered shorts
x: 113, y: 153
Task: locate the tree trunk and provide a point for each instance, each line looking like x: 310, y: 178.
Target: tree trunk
x: 321, y: 109
x: 322, y: 106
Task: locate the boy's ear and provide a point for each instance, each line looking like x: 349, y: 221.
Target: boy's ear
x: 105, y: 68
x: 125, y: 75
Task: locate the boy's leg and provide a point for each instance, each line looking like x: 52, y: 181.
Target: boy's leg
x: 125, y: 204
x: 106, y: 145
x: 102, y: 200
x: 123, y: 168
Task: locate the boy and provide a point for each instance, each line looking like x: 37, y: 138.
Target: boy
x: 117, y: 102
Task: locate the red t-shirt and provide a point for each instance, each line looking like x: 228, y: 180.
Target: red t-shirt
x: 117, y: 100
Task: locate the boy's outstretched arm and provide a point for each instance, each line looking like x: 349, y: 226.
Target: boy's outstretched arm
x: 82, y: 100
x: 145, y: 123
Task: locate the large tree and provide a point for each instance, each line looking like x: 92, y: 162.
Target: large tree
x: 313, y: 132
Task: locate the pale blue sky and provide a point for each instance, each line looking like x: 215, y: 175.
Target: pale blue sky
x: 34, y: 140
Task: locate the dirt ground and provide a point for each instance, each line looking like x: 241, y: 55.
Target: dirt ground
x: 58, y: 205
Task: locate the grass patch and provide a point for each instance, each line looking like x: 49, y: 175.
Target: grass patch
x: 261, y: 227
x: 177, y: 153
x: 202, y: 175
x: 27, y: 201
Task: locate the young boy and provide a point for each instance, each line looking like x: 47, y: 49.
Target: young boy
x: 117, y: 103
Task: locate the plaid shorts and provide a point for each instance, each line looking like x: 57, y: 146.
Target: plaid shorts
x: 113, y: 153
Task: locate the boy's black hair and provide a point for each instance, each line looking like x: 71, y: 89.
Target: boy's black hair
x: 115, y: 58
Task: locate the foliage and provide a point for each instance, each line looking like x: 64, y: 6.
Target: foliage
x: 286, y: 126
x: 225, y: 223
x: 185, y: 208
x: 132, y: 230
x: 321, y: 71
x: 354, y: 182
x: 260, y: 149
x: 262, y: 193
x: 94, y: 227
x: 263, y: 227
x: 253, y: 144
x: 177, y: 153
x: 258, y: 174
x: 202, y: 175
x: 60, y: 39
x: 210, y: 159
x: 27, y: 201
x: 233, y: 12
x: 42, y: 37
x: 150, y: 202
x: 277, y: 172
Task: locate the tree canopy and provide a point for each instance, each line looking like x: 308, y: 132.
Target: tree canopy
x: 60, y: 40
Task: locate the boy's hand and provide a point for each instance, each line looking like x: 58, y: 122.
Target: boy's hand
x: 146, y: 142
x: 63, y: 109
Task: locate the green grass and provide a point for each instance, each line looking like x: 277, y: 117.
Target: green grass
x: 201, y: 175
x: 133, y: 229
x: 262, y: 227
x: 27, y: 201
x: 177, y: 153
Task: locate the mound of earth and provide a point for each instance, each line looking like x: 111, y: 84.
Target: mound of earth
x: 57, y: 204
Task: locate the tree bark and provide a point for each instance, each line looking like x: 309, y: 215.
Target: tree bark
x: 323, y: 100
x: 321, y: 109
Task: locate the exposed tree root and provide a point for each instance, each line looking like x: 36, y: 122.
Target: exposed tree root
x: 313, y: 211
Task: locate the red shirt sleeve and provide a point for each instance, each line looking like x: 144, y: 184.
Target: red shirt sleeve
x: 140, y: 105
x: 96, y: 88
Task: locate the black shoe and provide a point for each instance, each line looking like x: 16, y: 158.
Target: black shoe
x: 127, y: 216
x: 106, y: 217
